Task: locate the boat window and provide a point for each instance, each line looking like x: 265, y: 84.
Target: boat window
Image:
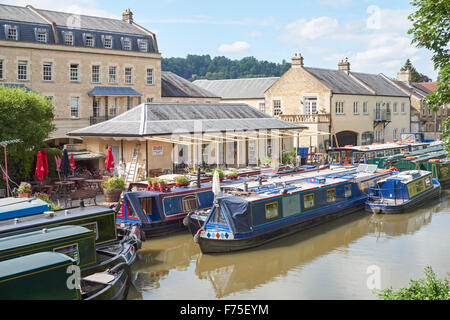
x: 291, y: 205
x: 308, y: 201
x: 146, y: 205
x: 331, y: 195
x: 419, y: 185
x: 358, y: 157
x: 397, y: 151
x: 389, y: 152
x: 348, y: 191
x: 217, y: 218
x: 370, y: 155
x: 404, y: 149
x: 334, y: 157
x: 131, y: 212
x: 70, y: 250
x: 379, y: 154
x: 190, y: 203
x: 271, y: 210
x: 428, y: 181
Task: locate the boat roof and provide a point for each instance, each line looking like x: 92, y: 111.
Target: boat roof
x: 383, y: 146
x: 407, y: 176
x: 428, y: 156
x: 32, y: 262
x: 19, y: 207
x: 297, y: 183
x: 414, y: 153
x: 58, y: 216
x: 44, y: 235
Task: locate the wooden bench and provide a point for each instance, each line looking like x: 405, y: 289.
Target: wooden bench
x: 83, y: 194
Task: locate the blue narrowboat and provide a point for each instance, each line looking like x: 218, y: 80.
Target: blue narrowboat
x: 403, y: 191
x: 242, y: 219
x: 162, y: 213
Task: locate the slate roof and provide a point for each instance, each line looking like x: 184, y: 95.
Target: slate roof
x: 415, y: 89
x: 173, y: 85
x: 251, y: 88
x: 114, y: 91
x: 15, y: 13
x: 379, y: 84
x: 167, y: 118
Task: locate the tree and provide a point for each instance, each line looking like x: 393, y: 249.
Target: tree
x: 415, y: 76
x: 27, y: 117
x: 429, y: 288
x: 431, y: 30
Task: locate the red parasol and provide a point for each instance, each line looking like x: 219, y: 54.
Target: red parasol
x: 45, y: 162
x: 72, y: 162
x: 58, y: 163
x: 39, y: 173
x: 109, y: 163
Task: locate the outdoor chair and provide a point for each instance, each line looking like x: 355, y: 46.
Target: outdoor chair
x: 82, y: 194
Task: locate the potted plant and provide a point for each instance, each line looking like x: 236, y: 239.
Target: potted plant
x: 182, y: 181
x: 112, y: 189
x: 152, y: 183
x: 232, y: 175
x: 162, y: 184
x: 24, y: 190
x: 265, y: 161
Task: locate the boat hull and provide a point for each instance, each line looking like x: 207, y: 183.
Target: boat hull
x: 381, y: 208
x: 163, y: 228
x: 208, y: 245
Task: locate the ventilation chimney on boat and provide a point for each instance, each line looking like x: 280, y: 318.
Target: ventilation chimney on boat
x: 198, y: 178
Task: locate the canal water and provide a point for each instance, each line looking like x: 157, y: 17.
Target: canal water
x: 344, y: 259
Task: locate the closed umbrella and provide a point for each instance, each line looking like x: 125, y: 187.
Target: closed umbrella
x: 58, y: 165
x: 39, y: 172
x: 65, y: 164
x: 72, y: 162
x: 45, y: 161
x: 216, y: 183
x: 109, y: 162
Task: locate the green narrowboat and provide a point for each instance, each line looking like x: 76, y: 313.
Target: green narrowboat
x: 53, y: 276
x: 390, y: 161
x: 440, y: 168
x: 74, y: 241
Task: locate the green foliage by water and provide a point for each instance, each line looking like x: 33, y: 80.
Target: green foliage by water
x: 429, y: 288
x: 195, y: 67
x: 28, y: 117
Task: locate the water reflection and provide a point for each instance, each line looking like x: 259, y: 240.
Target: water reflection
x: 247, y: 270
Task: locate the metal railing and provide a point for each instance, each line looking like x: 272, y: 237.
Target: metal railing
x: 306, y: 118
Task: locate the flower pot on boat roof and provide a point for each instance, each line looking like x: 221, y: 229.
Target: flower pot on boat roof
x: 24, y: 190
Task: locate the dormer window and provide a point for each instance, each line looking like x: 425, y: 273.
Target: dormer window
x: 107, y: 42
x: 42, y: 36
x: 143, y: 45
x: 68, y: 39
x: 12, y: 33
x: 89, y: 40
x: 126, y: 44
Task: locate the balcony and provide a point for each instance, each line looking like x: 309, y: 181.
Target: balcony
x: 95, y: 120
x: 306, y: 118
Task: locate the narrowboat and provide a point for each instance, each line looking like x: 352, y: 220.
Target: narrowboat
x: 403, y: 191
x: 46, y: 275
x: 114, y: 245
x: 243, y: 219
x: 74, y: 241
x: 354, y: 155
x: 161, y: 213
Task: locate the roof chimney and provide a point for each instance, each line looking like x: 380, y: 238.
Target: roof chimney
x: 127, y: 16
x: 297, y: 60
x: 404, y: 75
x: 344, y: 65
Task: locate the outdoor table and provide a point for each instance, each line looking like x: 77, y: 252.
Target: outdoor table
x: 41, y: 188
x: 64, y: 188
x: 94, y: 184
x: 78, y: 180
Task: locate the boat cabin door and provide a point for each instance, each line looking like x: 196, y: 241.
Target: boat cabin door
x: 346, y: 158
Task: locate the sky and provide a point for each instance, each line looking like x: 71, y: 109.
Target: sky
x: 372, y: 34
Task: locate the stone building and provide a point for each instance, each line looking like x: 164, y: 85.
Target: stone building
x: 92, y: 68
x: 355, y: 108
x: 248, y: 90
x: 423, y: 118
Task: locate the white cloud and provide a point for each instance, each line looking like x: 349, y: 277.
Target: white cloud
x: 302, y: 29
x: 236, y: 47
x: 385, y: 52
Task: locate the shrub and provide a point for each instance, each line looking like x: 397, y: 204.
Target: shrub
x: 113, y: 183
x: 182, y: 180
x: 24, y: 188
x: 429, y: 288
x: 46, y: 198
